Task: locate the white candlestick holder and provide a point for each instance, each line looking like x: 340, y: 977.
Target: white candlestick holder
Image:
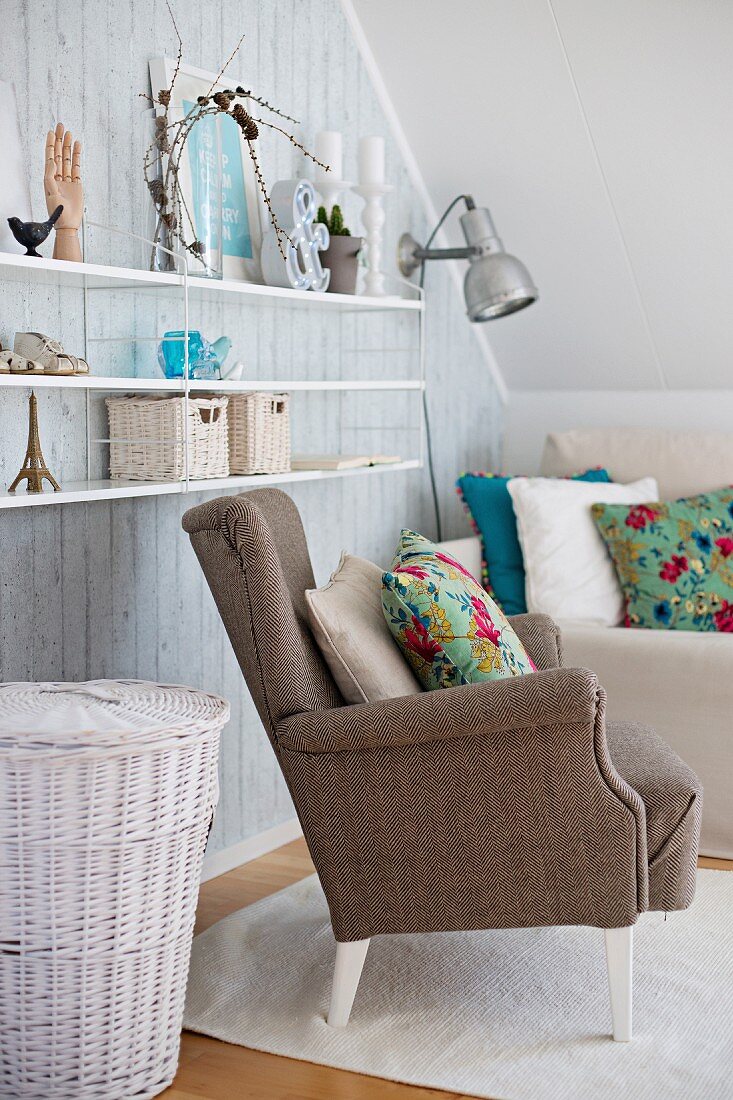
x: 330, y: 189
x: 373, y: 218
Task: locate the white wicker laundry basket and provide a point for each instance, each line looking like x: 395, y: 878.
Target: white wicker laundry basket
x: 107, y: 790
x: 149, y: 437
x: 259, y: 433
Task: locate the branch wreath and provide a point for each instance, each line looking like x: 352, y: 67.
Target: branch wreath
x: 162, y: 159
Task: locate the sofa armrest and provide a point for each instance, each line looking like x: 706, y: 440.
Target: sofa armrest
x: 540, y: 636
x: 489, y: 806
x: 555, y: 696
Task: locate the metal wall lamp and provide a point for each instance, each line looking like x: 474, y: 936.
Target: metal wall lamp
x: 496, y: 282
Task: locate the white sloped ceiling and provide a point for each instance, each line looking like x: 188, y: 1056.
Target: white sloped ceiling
x: 601, y: 137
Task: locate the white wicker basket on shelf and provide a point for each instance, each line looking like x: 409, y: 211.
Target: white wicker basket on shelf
x: 259, y: 433
x: 107, y: 791
x: 148, y: 437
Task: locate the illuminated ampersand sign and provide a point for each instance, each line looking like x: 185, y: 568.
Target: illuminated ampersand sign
x: 294, y: 204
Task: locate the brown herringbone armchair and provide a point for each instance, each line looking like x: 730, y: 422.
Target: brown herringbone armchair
x: 498, y: 805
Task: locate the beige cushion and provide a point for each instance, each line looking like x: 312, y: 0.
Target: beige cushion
x: 467, y: 553
x: 683, y: 463
x: 348, y: 623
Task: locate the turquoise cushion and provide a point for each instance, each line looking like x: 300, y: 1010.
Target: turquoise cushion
x: 489, y: 506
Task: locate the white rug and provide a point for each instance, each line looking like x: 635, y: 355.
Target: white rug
x: 511, y: 1015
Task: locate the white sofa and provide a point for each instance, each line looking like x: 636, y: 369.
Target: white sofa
x: 680, y: 682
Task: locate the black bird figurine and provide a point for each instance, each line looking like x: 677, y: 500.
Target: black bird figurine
x: 31, y: 234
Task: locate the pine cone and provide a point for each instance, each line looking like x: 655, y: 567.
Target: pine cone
x: 246, y: 123
x: 164, y: 97
x: 162, y: 140
x: 157, y: 192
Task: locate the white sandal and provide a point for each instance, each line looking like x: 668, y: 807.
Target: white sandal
x: 49, y: 354
x: 12, y: 363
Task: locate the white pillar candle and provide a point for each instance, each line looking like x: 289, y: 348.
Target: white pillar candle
x: 371, y: 160
x: 329, y: 150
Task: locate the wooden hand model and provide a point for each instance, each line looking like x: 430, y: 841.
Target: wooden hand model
x: 62, y: 184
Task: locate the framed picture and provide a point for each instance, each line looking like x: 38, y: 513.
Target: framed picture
x: 241, y: 228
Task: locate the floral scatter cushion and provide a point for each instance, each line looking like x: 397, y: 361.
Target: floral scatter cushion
x: 674, y: 560
x: 449, y: 629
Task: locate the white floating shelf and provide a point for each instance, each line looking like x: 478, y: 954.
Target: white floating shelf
x: 254, y: 480
x: 101, y: 276
x: 283, y: 386
x: 175, y: 385
x: 199, y: 287
x: 75, y: 492
x: 87, y: 382
x: 74, y: 274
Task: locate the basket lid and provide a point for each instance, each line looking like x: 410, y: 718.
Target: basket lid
x: 103, y: 713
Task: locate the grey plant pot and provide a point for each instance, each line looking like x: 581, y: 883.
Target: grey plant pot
x: 342, y: 257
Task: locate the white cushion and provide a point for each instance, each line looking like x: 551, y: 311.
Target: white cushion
x: 569, y: 574
x: 349, y: 626
x: 684, y: 463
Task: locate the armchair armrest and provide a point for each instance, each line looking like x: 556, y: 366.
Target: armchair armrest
x: 540, y: 636
x: 489, y: 806
x: 558, y: 695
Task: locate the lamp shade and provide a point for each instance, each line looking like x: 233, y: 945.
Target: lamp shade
x: 497, y: 284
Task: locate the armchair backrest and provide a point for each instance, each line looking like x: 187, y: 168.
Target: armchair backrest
x: 253, y: 551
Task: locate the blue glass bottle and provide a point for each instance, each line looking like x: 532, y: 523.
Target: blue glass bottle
x: 203, y: 361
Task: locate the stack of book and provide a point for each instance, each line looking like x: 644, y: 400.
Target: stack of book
x: 340, y: 462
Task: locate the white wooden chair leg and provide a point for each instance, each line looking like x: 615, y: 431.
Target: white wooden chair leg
x: 619, y: 961
x: 346, y: 973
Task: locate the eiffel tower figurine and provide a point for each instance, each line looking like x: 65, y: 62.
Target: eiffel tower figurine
x: 34, y: 467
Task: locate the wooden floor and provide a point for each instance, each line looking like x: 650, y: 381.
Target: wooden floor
x: 212, y: 1070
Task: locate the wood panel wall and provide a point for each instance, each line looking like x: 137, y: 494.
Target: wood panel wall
x: 113, y: 589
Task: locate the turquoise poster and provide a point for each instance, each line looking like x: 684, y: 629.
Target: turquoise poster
x: 235, y: 231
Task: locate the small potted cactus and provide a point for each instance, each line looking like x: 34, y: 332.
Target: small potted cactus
x: 342, y: 254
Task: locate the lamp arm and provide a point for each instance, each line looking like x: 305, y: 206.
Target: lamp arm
x: 411, y: 255
x: 496, y: 284
x: 462, y: 253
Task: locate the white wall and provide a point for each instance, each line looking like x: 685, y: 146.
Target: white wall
x: 599, y: 133
x: 530, y: 416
